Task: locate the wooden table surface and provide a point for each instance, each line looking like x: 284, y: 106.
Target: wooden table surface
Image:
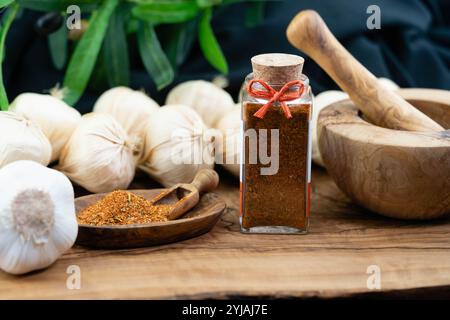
x: 331, y: 261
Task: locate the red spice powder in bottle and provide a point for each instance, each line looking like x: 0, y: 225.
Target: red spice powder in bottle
x: 276, y: 164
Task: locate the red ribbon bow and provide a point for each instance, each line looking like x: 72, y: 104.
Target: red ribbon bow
x: 275, y: 96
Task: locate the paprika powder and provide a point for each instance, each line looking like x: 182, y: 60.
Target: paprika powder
x: 276, y: 141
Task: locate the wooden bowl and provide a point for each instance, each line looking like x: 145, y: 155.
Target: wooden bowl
x: 400, y: 174
x: 199, y: 220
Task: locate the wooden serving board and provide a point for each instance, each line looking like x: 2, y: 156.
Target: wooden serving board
x: 196, y: 222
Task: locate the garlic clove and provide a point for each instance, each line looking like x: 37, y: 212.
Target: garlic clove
x: 56, y: 119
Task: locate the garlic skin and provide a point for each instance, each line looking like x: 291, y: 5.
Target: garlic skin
x: 228, y: 146
x: 56, y: 118
x: 129, y: 107
x: 99, y: 156
x: 173, y: 135
x: 37, y: 216
x: 22, y: 139
x: 210, y: 101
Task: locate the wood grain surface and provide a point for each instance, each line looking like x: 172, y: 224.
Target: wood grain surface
x: 331, y: 261
x: 400, y: 174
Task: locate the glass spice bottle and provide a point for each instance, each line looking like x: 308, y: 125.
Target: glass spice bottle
x: 276, y: 141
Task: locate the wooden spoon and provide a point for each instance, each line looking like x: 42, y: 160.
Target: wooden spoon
x: 309, y: 33
x: 184, y: 196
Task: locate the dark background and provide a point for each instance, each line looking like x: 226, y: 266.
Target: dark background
x: 412, y: 47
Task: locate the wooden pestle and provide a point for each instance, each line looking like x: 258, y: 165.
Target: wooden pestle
x: 184, y: 196
x: 309, y: 33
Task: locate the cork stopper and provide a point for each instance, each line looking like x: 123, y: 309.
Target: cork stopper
x: 277, y: 68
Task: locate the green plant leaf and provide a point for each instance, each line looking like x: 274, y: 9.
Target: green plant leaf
x: 83, y: 59
x: 255, y: 14
x: 226, y: 2
x: 4, y: 3
x: 55, y: 5
x: 208, y: 3
x: 179, y: 42
x: 7, y: 20
x: 99, y: 79
x: 153, y: 57
x: 115, y: 51
x: 132, y: 25
x: 160, y: 12
x: 57, y: 43
x: 209, y: 44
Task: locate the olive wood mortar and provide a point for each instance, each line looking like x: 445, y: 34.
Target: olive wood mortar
x: 309, y: 33
x: 400, y: 174
x: 393, y: 172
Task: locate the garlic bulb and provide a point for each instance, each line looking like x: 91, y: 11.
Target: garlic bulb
x: 130, y: 108
x: 229, y: 144
x: 99, y: 155
x: 22, y: 139
x: 327, y: 98
x: 37, y: 216
x: 210, y: 101
x: 56, y: 119
x: 177, y: 145
x: 321, y: 101
x: 388, y: 84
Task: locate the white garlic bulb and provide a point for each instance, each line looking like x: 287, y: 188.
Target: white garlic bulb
x: 210, y: 101
x: 22, y: 139
x: 177, y: 145
x: 321, y: 101
x: 388, y: 84
x: 37, y: 216
x: 327, y: 98
x: 99, y: 155
x: 228, y: 146
x: 56, y: 119
x: 129, y: 107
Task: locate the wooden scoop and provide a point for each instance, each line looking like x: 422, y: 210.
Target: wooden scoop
x: 309, y: 33
x: 184, y: 196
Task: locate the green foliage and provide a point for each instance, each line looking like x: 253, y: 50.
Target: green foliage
x: 4, y: 3
x: 115, y: 50
x: 83, y: 59
x: 56, y: 5
x: 255, y: 15
x: 58, y: 45
x: 153, y: 57
x: 103, y: 46
x: 180, y: 38
x: 6, y: 23
x: 160, y: 12
x: 209, y: 44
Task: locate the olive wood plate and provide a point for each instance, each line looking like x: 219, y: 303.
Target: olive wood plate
x: 199, y: 220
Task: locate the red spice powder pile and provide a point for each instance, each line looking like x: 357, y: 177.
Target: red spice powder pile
x: 123, y: 208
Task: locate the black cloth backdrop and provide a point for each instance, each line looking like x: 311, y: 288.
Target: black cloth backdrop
x: 412, y: 47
